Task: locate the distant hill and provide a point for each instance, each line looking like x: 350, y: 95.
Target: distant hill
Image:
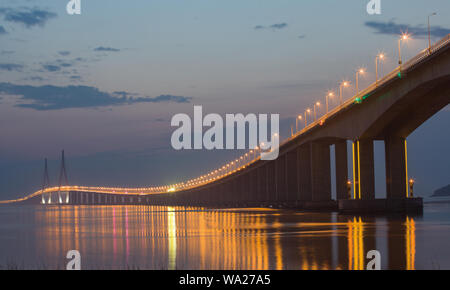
x: 444, y: 191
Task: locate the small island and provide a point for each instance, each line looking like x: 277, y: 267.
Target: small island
x: 444, y: 191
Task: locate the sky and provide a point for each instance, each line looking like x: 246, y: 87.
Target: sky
x: 104, y: 85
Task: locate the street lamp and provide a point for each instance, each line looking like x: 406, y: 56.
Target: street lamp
x: 315, y: 114
x: 306, y: 119
x: 299, y: 117
x: 343, y: 84
x: 429, y: 31
x: 330, y: 94
x: 349, y: 189
x: 411, y: 187
x: 403, y: 37
x: 379, y: 57
x: 358, y: 72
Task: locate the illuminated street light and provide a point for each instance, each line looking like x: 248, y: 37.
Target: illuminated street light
x: 379, y: 57
x: 342, y: 85
x: 429, y: 31
x: 299, y: 117
x: 329, y: 95
x: 317, y: 104
x: 403, y: 37
x: 306, y: 119
x: 411, y: 187
x: 349, y: 189
x: 358, y: 72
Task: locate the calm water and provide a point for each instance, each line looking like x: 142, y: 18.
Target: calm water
x: 145, y: 237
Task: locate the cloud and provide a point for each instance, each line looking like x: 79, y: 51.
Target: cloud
x: 11, y: 66
x: 29, y: 17
x: 392, y: 28
x: 279, y: 25
x: 276, y: 26
x: 7, y: 52
x: 303, y: 36
x: 102, y: 48
x: 51, y: 67
x: 65, y: 64
x: 64, y: 53
x: 36, y: 78
x: 48, y: 97
x: 2, y: 30
x: 167, y: 98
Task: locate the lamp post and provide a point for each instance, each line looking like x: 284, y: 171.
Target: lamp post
x: 306, y: 119
x: 403, y: 37
x: 317, y: 104
x: 330, y: 94
x: 358, y: 72
x: 411, y: 187
x: 429, y: 31
x: 299, y: 117
x: 379, y: 57
x: 343, y: 84
x: 349, y: 189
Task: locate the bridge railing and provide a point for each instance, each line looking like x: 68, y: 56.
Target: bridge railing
x: 385, y: 79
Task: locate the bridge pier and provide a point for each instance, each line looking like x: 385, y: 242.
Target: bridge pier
x: 320, y: 172
x: 367, y: 172
x: 253, y: 187
x: 340, y: 152
x: 261, y: 185
x: 280, y: 169
x: 396, y: 167
x: 304, y: 172
x: 271, y: 183
x: 292, y: 178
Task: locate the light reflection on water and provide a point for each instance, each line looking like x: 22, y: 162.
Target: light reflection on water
x: 146, y: 237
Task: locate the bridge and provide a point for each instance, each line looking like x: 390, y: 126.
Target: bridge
x: 388, y: 110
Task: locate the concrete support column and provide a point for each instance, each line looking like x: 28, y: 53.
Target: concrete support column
x: 304, y: 172
x: 254, y: 185
x: 240, y: 189
x: 292, y: 176
x: 356, y: 168
x: 271, y: 182
x: 396, y: 167
x: 281, y: 185
x: 340, y: 151
x: 223, y: 197
x: 367, y: 178
x: 320, y: 172
x: 247, y: 194
x: 261, y: 184
x: 239, y: 192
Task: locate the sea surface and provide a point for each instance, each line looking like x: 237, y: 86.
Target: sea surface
x: 155, y: 237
